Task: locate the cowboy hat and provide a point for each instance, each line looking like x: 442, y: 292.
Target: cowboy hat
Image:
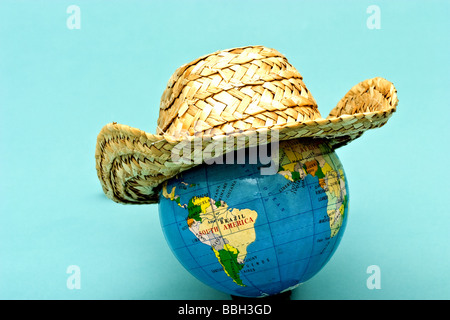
x: 229, y: 93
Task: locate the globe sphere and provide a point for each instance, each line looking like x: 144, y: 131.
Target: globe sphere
x: 251, y: 234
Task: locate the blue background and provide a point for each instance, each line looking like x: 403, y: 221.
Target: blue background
x: 58, y: 87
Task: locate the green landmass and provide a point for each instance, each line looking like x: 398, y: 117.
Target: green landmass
x: 295, y: 175
x: 319, y: 172
x: 345, y: 205
x: 228, y: 259
x: 194, y: 211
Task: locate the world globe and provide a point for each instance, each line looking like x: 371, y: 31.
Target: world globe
x: 253, y: 235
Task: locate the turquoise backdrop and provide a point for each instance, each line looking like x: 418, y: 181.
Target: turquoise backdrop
x: 63, y: 78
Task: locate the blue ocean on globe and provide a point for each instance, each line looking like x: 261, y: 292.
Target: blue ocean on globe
x: 254, y: 235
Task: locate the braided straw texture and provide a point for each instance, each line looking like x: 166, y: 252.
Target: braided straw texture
x: 233, y: 92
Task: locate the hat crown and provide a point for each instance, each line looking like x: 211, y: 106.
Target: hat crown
x: 234, y: 90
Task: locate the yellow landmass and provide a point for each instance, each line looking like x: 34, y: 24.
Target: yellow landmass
x: 326, y: 168
x: 203, y: 202
x: 167, y: 195
x: 292, y: 155
x: 290, y: 166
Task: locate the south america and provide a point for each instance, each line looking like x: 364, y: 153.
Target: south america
x: 228, y: 231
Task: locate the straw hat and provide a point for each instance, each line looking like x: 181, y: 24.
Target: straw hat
x: 226, y: 94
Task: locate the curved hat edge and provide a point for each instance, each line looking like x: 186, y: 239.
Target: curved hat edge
x: 132, y: 163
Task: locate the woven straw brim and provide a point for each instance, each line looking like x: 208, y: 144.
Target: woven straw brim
x: 131, y: 163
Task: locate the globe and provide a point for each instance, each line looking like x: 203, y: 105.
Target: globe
x: 253, y: 235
